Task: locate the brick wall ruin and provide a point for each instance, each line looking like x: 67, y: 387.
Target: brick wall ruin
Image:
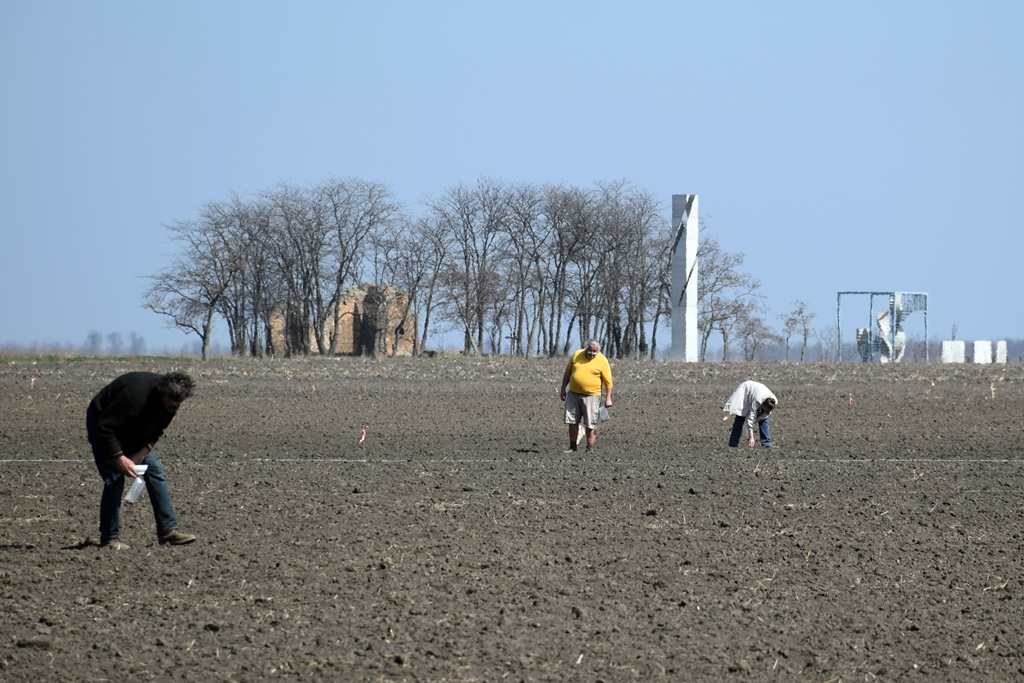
x: 367, y: 316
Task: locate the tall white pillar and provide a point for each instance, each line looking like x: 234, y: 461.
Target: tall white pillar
x: 684, y: 278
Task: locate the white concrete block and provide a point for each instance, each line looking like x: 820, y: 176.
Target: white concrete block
x: 982, y: 352
x: 952, y: 351
x: 1001, y: 352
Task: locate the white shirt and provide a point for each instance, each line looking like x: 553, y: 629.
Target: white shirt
x: 746, y: 402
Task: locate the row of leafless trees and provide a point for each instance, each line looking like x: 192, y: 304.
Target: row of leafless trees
x: 514, y: 267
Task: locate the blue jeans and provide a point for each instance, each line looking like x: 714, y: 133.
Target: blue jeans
x: 737, y: 431
x: 113, y: 488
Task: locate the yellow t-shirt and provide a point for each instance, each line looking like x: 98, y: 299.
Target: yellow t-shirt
x: 587, y: 374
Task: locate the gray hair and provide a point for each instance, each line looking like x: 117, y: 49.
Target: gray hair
x: 592, y: 342
x: 176, y: 385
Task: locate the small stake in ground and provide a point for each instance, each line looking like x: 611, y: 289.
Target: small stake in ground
x: 362, y: 440
x: 852, y: 402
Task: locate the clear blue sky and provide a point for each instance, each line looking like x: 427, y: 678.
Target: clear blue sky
x: 840, y: 146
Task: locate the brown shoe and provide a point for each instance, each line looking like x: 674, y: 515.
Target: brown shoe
x: 175, y: 537
x: 115, y: 543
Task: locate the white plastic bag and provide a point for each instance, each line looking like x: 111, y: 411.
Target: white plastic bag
x: 602, y: 415
x: 135, y: 490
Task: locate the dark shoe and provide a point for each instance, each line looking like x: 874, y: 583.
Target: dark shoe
x: 175, y: 537
x: 115, y: 543
x: 572, y: 449
x: 590, y: 447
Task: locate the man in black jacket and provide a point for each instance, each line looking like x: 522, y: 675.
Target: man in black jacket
x: 124, y: 421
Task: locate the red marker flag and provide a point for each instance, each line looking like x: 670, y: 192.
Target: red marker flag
x: 851, y: 400
x: 363, y: 437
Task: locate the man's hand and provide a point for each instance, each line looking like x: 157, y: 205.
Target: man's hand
x: 751, y: 441
x: 126, y: 466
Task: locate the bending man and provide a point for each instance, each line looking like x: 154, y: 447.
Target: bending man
x: 751, y: 403
x: 587, y: 370
x: 124, y: 421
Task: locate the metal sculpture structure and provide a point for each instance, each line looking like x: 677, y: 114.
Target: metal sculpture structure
x: 890, y: 341
x: 684, y: 278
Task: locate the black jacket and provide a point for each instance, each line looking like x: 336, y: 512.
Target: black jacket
x: 130, y: 412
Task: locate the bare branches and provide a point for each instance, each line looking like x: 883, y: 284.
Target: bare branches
x: 724, y: 294
x: 190, y: 291
x: 798, y: 320
x: 523, y: 267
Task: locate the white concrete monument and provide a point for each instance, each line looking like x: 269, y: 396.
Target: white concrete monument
x: 684, y: 278
x: 982, y: 352
x: 1001, y: 352
x: 892, y: 351
x: 953, y: 351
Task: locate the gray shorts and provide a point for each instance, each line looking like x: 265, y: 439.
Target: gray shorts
x: 581, y: 409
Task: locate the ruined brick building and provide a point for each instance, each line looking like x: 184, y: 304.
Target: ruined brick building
x: 368, y: 316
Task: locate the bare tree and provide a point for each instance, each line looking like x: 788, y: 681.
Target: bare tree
x: 233, y: 224
x: 189, y: 292
x: 756, y: 336
x: 790, y: 323
x: 723, y: 293
x: 826, y: 343
x: 636, y: 240
x: 801, y: 320
x: 93, y: 343
x: 404, y: 261
x: 296, y: 243
x: 263, y: 284
x: 137, y: 343
x: 570, y: 213
x: 434, y: 244
x: 355, y: 210
x: 115, y: 344
x: 475, y: 219
x: 527, y: 232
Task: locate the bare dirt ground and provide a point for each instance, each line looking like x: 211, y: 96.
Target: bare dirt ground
x: 880, y: 541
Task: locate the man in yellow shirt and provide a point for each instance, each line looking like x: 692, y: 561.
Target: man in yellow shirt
x: 586, y: 372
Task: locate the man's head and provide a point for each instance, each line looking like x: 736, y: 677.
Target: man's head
x: 768, y: 405
x: 174, y: 388
x: 592, y: 349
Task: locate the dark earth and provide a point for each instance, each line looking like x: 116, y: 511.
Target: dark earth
x: 880, y: 540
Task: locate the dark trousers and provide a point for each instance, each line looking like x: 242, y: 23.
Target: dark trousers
x: 737, y: 431
x: 113, y: 488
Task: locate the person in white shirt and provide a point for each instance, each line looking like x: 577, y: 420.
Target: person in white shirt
x: 751, y: 403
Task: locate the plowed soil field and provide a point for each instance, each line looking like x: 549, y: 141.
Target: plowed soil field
x: 880, y: 540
